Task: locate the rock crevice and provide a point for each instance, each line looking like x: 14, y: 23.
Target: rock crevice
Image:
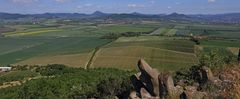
x: 149, y: 83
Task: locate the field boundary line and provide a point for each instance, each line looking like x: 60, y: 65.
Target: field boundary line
x: 89, y: 63
x: 164, y: 60
x: 153, y: 48
x: 91, y: 58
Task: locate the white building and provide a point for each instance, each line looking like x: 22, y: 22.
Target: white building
x: 5, y: 69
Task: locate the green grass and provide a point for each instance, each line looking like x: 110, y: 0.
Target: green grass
x: 220, y: 43
x: 31, y: 33
x: 225, y: 47
x: 165, y: 31
x: 227, y: 34
x: 77, y: 31
x: 220, y: 31
x: 41, y: 41
x: 9, y: 45
x: 17, y: 76
x: 56, y: 46
x: 63, y: 86
x: 126, y: 57
x: 169, y: 43
x: 183, y: 32
x: 93, y: 30
x: 158, y: 31
x: 127, y: 28
x: 164, y: 54
x: 213, y: 27
x: 144, y: 38
x: 171, y: 32
x: 82, y: 30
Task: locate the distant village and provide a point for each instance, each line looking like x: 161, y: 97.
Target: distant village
x: 5, y: 69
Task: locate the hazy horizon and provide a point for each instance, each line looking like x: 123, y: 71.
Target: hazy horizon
x: 120, y: 6
x: 125, y: 13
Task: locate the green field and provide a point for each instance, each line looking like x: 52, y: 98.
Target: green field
x: 9, y: 45
x: 214, y: 31
x: 164, y: 54
x: 39, y: 55
x: 73, y: 44
x: 52, y: 47
x: 73, y: 60
x: 78, y: 30
x: 225, y: 46
x: 221, y: 43
x: 158, y: 31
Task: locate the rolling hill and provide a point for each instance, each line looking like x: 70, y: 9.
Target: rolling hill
x: 218, y: 18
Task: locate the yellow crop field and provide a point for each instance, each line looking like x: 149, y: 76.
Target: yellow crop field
x: 74, y: 60
x: 31, y: 33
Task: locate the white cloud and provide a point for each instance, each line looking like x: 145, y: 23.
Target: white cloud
x: 85, y: 5
x: 31, y: 1
x: 132, y: 5
x: 88, y: 5
x: 61, y: 1
x: 210, y: 1
x: 23, y: 1
x: 135, y: 6
x: 177, y: 3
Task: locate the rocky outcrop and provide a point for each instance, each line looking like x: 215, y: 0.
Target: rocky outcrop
x: 239, y: 56
x: 192, y: 93
x: 230, y: 74
x: 149, y: 83
x: 167, y: 87
x: 207, y: 75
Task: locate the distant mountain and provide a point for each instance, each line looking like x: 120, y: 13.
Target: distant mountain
x: 58, y: 15
x: 226, y: 18
x: 223, y: 18
x: 99, y: 14
x: 176, y: 16
x: 132, y: 15
x: 45, y: 15
x: 11, y: 16
x: 122, y: 16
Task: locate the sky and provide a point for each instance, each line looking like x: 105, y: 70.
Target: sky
x: 121, y: 6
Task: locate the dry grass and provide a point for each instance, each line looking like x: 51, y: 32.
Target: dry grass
x: 74, y: 60
x: 32, y: 32
x: 237, y: 91
x: 127, y: 57
x: 234, y: 50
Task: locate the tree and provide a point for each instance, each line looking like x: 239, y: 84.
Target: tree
x: 205, y: 32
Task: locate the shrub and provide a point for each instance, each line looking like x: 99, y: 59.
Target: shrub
x: 54, y: 69
x: 83, y: 91
x: 114, y: 87
x: 216, y: 58
x: 190, y: 75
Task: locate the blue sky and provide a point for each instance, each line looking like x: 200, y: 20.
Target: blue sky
x: 121, y: 6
